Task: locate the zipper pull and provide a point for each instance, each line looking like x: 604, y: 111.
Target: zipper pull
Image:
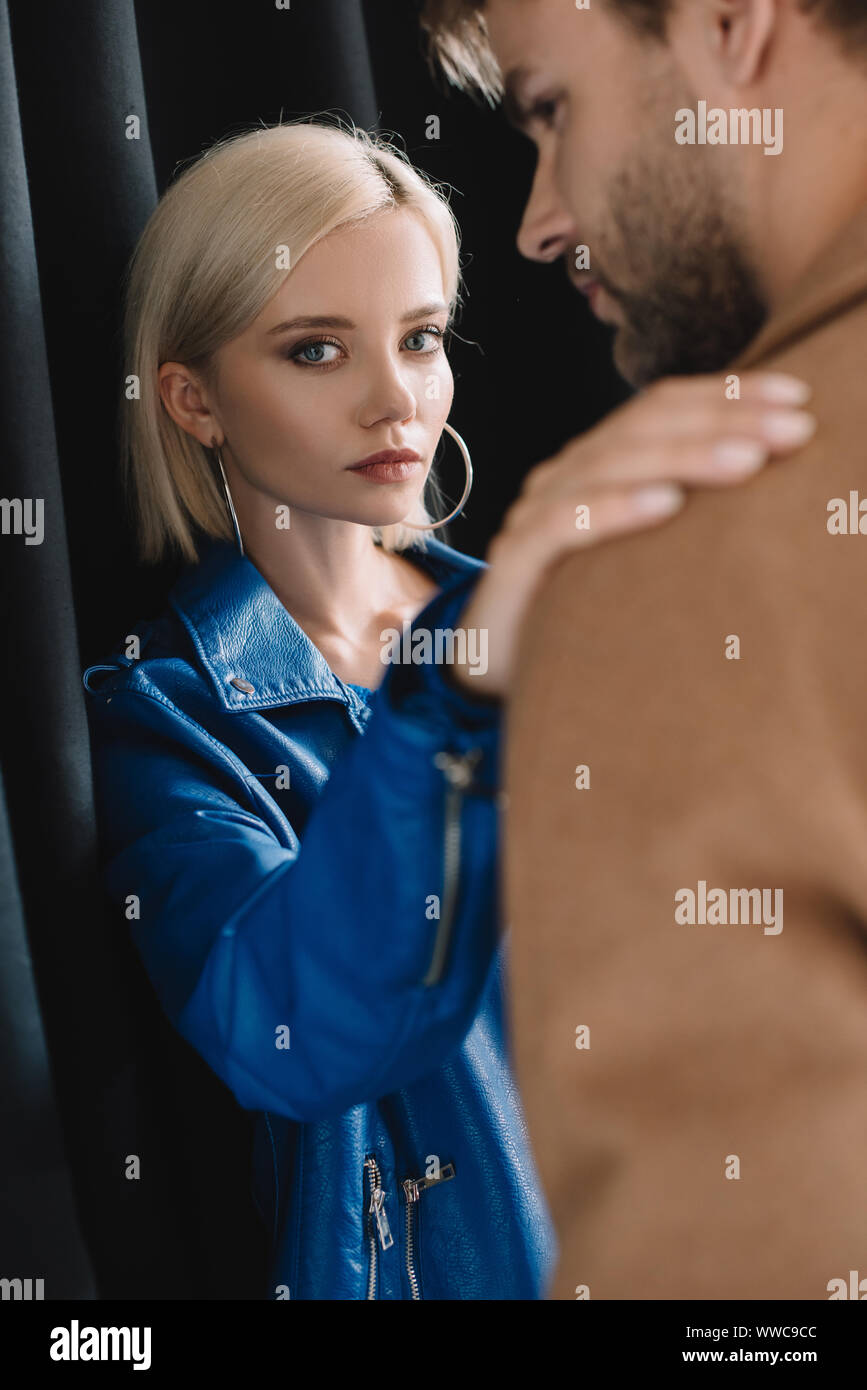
x: 414, y: 1187
x: 377, y: 1210
x: 458, y: 770
x: 458, y: 767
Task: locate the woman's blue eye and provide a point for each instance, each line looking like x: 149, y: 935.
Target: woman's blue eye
x: 319, y: 349
x: 422, y: 333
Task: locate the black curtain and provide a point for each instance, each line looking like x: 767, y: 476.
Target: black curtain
x: 91, y: 1072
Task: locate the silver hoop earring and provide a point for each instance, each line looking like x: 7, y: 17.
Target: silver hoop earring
x: 232, y: 515
x: 468, y: 464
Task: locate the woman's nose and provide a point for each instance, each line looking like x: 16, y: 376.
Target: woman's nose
x: 388, y: 397
x: 547, y: 229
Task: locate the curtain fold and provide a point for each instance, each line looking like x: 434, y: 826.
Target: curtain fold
x: 42, y: 744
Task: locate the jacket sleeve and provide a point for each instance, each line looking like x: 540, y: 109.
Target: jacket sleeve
x: 310, y: 978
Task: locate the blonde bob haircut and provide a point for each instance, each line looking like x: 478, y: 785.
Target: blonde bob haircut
x: 206, y: 265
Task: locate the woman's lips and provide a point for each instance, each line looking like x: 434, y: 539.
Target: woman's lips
x: 387, y: 472
x: 390, y: 466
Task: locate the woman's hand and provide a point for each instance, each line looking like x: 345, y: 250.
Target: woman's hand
x: 622, y: 476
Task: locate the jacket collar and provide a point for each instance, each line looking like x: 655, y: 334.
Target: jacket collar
x: 835, y: 282
x: 242, y: 632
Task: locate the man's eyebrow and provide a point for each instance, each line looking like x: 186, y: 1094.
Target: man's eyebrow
x: 514, y: 110
x: 426, y: 311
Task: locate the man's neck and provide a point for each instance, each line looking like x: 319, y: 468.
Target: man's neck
x: 800, y: 213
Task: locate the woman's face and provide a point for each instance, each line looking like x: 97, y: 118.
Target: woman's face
x: 345, y: 361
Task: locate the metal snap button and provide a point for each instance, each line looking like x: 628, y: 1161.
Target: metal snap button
x: 242, y: 685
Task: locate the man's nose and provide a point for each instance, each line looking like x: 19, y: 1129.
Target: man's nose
x: 547, y: 229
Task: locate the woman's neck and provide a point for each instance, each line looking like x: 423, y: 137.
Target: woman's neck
x: 328, y: 574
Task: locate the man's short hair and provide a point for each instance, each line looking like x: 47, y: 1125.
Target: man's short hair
x: 459, y: 37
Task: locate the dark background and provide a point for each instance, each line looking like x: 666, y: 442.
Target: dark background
x: 91, y: 1072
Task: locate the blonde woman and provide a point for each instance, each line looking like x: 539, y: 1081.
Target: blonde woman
x: 302, y: 836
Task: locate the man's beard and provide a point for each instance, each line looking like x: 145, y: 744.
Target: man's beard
x: 699, y: 304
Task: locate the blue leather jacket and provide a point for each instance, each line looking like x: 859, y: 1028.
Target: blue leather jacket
x: 309, y: 873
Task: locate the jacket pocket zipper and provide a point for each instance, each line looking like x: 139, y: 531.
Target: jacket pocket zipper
x: 458, y: 771
x: 412, y: 1190
x: 377, y: 1221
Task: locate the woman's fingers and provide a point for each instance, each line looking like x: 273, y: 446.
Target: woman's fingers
x: 701, y: 460
x: 665, y: 403
x: 708, y: 446
x: 774, y: 424
x: 590, y: 515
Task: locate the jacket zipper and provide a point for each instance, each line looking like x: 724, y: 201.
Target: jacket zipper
x: 377, y: 1221
x: 458, y: 771
x: 412, y: 1190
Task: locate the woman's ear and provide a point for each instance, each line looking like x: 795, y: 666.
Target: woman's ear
x: 184, y: 396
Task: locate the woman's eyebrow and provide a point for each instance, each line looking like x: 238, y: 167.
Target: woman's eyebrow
x: 337, y: 321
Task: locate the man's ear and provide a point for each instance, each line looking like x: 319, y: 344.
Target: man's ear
x: 739, y: 34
